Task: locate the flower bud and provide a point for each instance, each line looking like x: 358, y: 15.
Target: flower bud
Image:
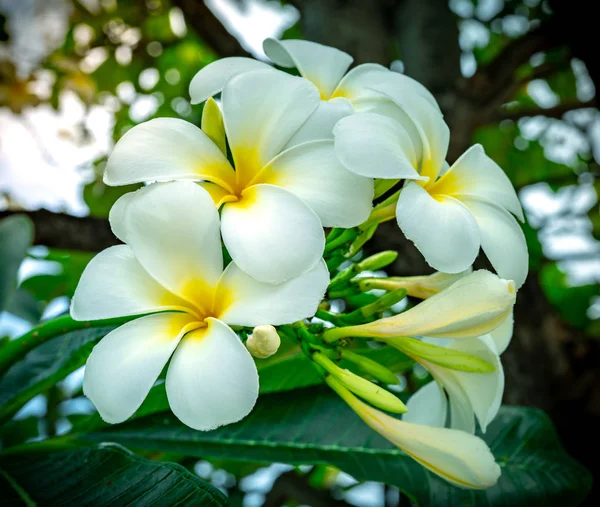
x: 212, y: 124
x: 366, y: 389
x: 378, y: 261
x: 263, y: 342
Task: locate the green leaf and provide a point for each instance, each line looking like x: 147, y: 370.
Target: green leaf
x: 315, y: 426
x: 104, y: 475
x: 16, y: 236
x: 44, y: 366
x: 46, y: 287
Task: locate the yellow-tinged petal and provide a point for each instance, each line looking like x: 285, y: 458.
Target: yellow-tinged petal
x: 124, y: 365
x: 322, y: 65
x: 212, y: 124
x: 262, y: 110
x: 473, y: 306
x: 458, y: 457
x: 167, y: 149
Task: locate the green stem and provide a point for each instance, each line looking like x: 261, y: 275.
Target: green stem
x: 345, y: 237
x: 18, y: 348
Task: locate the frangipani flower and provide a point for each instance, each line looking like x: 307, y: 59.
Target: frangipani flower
x: 278, y: 198
x: 341, y: 92
x: 425, y: 286
x: 472, y: 306
x: 447, y: 215
x: 471, y: 394
x: 171, y: 267
x: 457, y: 456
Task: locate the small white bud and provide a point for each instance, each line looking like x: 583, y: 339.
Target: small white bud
x: 263, y: 342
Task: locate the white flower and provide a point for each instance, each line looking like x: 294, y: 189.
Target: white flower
x: 447, y: 215
x: 172, y: 268
x: 341, y: 92
x: 280, y: 195
x: 457, y: 456
x: 471, y: 394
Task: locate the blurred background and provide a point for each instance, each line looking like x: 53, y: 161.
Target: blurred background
x: 519, y: 77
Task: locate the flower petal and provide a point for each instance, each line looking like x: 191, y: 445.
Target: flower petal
x: 212, y: 379
x: 173, y: 230
x: 167, y: 149
x: 243, y: 301
x: 502, y: 239
x: 321, y: 122
x: 385, y: 107
x: 473, y: 306
x: 357, y: 84
x: 472, y: 393
x: 376, y: 146
x: 211, y: 79
x: 114, y: 284
x: 116, y: 215
x: 443, y: 229
x: 271, y: 234
x: 428, y: 406
x: 262, y: 110
x: 458, y: 457
x: 434, y: 133
x: 503, y: 333
x: 124, y: 365
x: 475, y: 174
x: 322, y: 65
x: 312, y: 172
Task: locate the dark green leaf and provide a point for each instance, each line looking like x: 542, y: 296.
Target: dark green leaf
x: 46, y: 287
x: 45, y: 365
x: 104, y: 475
x: 317, y: 427
x: 16, y: 236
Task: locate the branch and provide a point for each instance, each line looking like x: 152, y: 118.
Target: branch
x: 552, y: 112
x: 210, y: 28
x: 59, y: 230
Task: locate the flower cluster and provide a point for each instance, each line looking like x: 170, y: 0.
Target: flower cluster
x: 225, y: 254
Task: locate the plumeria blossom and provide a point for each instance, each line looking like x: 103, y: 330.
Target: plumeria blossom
x: 474, y: 305
x: 276, y: 201
x: 448, y: 213
x: 170, y: 272
x: 341, y: 91
x: 457, y: 456
x: 471, y: 394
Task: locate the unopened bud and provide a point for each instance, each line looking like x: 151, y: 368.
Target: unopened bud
x: 212, y: 124
x: 371, y: 367
x: 263, y: 342
x: 367, y: 390
x: 378, y: 261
